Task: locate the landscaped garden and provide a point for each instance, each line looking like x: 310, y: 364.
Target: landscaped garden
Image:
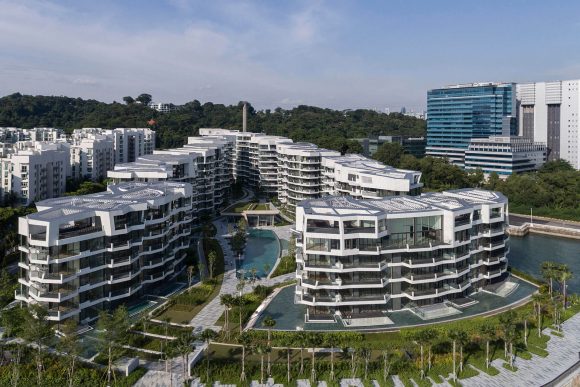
x: 182, y: 307
x: 421, y: 355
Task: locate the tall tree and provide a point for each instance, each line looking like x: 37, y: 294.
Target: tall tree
x: 269, y: 323
x: 488, y: 333
x: 112, y: 334
x: 69, y: 344
x: 208, y: 335
x: 245, y: 340
x: 144, y: 98
x: 37, y: 331
x: 389, y: 153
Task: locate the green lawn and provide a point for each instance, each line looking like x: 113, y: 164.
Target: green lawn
x: 287, y: 265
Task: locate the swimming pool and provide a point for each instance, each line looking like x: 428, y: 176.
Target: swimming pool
x: 262, y: 249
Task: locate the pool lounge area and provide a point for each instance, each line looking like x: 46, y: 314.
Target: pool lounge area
x: 290, y: 316
x: 261, y: 252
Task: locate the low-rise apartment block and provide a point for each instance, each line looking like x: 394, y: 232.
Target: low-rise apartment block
x: 83, y: 254
x: 364, y: 258
x: 505, y: 155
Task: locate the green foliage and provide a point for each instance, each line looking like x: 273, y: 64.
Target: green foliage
x: 287, y: 265
x: 84, y: 188
x: 389, y: 153
x: 328, y: 128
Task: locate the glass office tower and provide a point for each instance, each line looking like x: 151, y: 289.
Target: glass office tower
x: 456, y: 114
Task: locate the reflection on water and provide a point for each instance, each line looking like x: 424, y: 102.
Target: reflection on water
x: 527, y: 254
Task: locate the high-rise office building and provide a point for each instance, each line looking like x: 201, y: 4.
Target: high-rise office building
x: 458, y: 113
x: 548, y: 112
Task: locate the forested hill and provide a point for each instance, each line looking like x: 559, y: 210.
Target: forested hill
x: 325, y: 127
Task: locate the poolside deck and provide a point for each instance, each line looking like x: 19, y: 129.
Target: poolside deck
x: 290, y: 316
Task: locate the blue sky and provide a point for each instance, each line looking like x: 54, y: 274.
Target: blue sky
x: 338, y: 54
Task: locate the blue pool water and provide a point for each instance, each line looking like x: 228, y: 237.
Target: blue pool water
x: 262, y: 248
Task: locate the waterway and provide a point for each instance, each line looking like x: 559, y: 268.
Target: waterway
x: 527, y: 254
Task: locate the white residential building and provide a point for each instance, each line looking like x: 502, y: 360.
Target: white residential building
x: 162, y: 107
x: 549, y: 112
x: 92, y: 157
x: 129, y: 143
x: 83, y: 254
x: 363, y: 258
x: 36, y: 170
x: 504, y: 155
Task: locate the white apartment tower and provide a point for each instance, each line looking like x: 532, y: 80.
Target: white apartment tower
x: 548, y: 112
x: 36, y: 171
x: 92, y: 157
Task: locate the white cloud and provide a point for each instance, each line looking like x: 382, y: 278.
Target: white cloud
x: 48, y: 49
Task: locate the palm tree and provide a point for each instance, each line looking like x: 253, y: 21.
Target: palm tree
x: 166, y: 322
x: 227, y: 300
x: 184, y: 345
x: 488, y: 333
x: 240, y: 302
x: 260, y: 349
x: 509, y: 332
x: 539, y: 300
x: 564, y: 274
x: 421, y: 340
x: 456, y: 336
x: 190, y: 272
x: 207, y: 335
x: 302, y: 342
x: 548, y: 272
x: 386, y: 365
x: 112, y: 331
x: 314, y: 340
x: 211, y: 260
x: 270, y: 323
x: 366, y: 355
x: 287, y: 341
x: 245, y: 339
x: 331, y: 339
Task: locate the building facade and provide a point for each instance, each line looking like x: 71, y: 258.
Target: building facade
x: 548, y: 112
x: 505, y: 155
x: 363, y: 258
x: 80, y: 255
x: 458, y: 113
x: 35, y: 170
x: 411, y: 145
x: 92, y: 157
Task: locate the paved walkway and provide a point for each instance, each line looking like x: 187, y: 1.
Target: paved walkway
x: 209, y: 315
x: 537, y: 371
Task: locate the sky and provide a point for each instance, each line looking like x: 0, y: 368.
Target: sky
x: 337, y: 54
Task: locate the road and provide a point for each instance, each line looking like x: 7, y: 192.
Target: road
x: 518, y: 220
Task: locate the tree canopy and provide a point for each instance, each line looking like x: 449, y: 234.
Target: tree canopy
x: 328, y: 128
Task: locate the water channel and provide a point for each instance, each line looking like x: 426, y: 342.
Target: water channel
x: 527, y: 254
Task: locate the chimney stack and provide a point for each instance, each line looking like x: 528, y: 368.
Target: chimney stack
x: 244, y: 117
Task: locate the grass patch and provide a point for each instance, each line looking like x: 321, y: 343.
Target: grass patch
x: 540, y: 342
x: 479, y: 363
x: 524, y: 354
x: 185, y: 306
x: 287, y: 265
x: 556, y: 333
x: 538, y: 351
x: 510, y: 368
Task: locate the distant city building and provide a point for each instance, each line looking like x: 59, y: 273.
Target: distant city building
x: 505, y: 155
x: 419, y: 115
x: 35, y: 170
x: 85, y: 254
x: 412, y: 145
x: 458, y: 113
x: 361, y: 259
x: 162, y: 107
x: 549, y: 112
